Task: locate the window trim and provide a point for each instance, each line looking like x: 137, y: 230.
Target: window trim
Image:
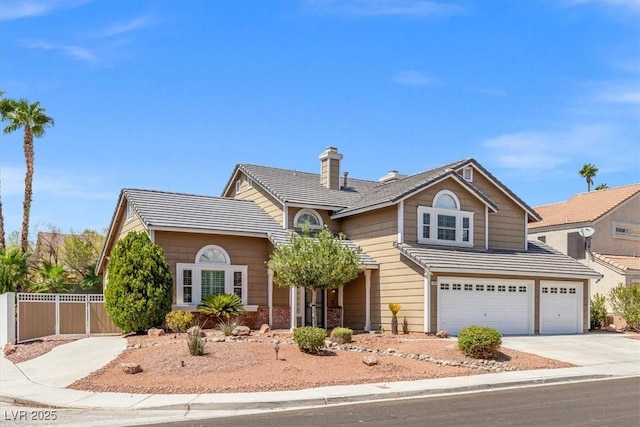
x: 129, y: 212
x: 312, y: 212
x: 468, y: 169
x: 615, y: 225
x: 238, y: 186
x: 196, y: 278
x: 433, y: 223
x: 215, y: 247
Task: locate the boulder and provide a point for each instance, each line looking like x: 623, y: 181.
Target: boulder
x: 131, y: 368
x: 241, y: 331
x: 370, y: 360
x: 442, y: 334
x: 264, y: 329
x: 155, y: 332
x: 9, y: 348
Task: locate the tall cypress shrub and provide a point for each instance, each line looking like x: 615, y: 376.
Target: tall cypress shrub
x: 139, y: 290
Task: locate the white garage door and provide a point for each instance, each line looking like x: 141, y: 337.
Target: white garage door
x: 560, y: 307
x: 506, y: 305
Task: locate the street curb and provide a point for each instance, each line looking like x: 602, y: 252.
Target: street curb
x: 310, y: 401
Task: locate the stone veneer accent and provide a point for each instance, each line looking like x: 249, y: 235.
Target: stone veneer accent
x: 334, y: 317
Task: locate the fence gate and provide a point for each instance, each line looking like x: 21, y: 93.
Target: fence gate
x: 41, y: 315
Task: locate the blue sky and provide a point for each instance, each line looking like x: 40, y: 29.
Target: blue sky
x: 170, y: 95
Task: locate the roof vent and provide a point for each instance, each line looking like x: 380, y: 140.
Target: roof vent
x: 392, y: 176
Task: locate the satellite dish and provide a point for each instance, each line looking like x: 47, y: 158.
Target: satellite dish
x: 586, y: 231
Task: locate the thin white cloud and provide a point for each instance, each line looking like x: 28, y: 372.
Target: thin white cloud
x: 413, y: 78
x: 18, y: 9
x: 126, y: 27
x: 51, y: 182
x: 76, y: 52
x: 370, y: 8
x: 620, y: 95
x: 543, y: 151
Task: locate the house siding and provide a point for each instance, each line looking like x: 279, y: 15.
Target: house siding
x: 507, y: 228
x: 353, y: 299
x: 261, y: 197
x: 249, y: 251
x: 605, y: 242
x: 468, y: 203
x: 398, y: 280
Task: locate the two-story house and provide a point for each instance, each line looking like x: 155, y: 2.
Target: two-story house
x: 611, y: 245
x: 449, y: 244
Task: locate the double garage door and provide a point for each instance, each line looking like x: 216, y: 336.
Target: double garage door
x: 508, y: 305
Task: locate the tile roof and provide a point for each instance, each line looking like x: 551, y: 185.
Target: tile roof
x: 291, y: 186
x: 584, y: 207
x: 620, y: 262
x: 189, y: 211
x: 538, y: 260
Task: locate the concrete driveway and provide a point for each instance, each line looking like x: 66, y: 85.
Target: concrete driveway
x: 581, y: 350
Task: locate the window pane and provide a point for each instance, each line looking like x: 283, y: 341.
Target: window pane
x: 445, y: 201
x: 213, y: 256
x: 446, y: 234
x: 426, y: 225
x: 237, y: 283
x: 187, y: 283
x: 446, y: 221
x: 446, y: 227
x: 465, y: 229
x: 308, y: 219
x: 212, y: 282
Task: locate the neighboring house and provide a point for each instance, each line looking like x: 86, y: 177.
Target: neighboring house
x: 614, y: 248
x: 449, y: 244
x: 48, y: 247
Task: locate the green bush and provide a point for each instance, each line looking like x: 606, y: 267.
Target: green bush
x: 625, y: 301
x: 178, y: 321
x: 223, y: 306
x: 309, y: 339
x: 598, y: 311
x: 139, y: 292
x: 480, y: 342
x: 341, y: 335
x: 195, y: 342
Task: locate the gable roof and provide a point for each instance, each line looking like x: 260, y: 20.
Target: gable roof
x: 295, y: 187
x: 538, y: 260
x: 584, y: 207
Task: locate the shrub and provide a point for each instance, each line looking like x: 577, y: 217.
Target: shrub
x: 598, y: 311
x: 341, y: 335
x: 229, y: 325
x: 178, y: 321
x: 140, y: 288
x: 309, y: 339
x: 625, y: 301
x: 405, y: 326
x: 222, y: 305
x: 480, y: 342
x: 195, y: 342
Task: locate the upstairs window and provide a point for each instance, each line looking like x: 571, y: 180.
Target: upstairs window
x: 445, y: 223
x: 625, y: 230
x: 308, y: 218
x: 467, y: 174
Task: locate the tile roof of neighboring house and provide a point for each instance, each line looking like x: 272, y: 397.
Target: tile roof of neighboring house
x: 538, y: 260
x: 620, y: 262
x: 291, y: 186
x: 584, y: 207
x: 281, y: 237
x: 159, y: 209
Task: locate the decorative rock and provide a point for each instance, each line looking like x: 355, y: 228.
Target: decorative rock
x: 442, y: 334
x: 240, y: 331
x: 264, y: 329
x: 196, y: 330
x: 155, y: 332
x: 9, y: 348
x: 131, y: 368
x: 370, y: 360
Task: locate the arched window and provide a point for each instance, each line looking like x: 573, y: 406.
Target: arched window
x: 307, y: 217
x: 212, y: 254
x: 445, y: 199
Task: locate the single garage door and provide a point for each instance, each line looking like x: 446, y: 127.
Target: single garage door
x: 560, y: 307
x: 506, y: 305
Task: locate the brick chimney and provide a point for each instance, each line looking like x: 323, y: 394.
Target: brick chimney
x: 330, y: 168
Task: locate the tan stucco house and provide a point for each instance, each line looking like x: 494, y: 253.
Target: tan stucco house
x: 449, y: 244
x: 613, y: 250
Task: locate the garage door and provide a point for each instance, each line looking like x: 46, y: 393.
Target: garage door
x: 560, y: 307
x: 506, y: 305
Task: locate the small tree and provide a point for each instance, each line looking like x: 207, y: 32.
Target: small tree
x: 13, y: 270
x: 314, y: 262
x: 625, y: 301
x: 598, y: 311
x: 140, y: 288
x: 80, y: 253
x: 50, y: 278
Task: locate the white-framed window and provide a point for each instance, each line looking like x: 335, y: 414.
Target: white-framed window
x: 445, y: 223
x: 238, y: 186
x: 308, y: 217
x: 249, y: 183
x: 211, y: 273
x: 129, y: 212
x: 467, y: 174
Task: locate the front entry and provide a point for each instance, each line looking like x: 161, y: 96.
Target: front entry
x: 320, y: 300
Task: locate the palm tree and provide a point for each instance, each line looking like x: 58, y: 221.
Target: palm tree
x: 588, y: 172
x: 602, y: 186
x: 31, y: 117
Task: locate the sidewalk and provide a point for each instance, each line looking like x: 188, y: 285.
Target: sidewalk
x: 41, y: 382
